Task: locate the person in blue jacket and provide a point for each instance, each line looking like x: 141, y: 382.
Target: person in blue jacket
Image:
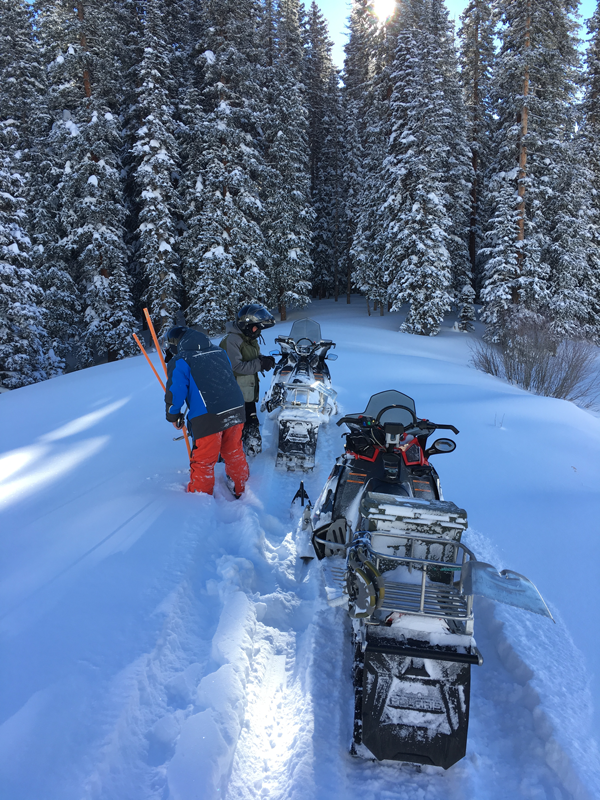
x: 199, y: 375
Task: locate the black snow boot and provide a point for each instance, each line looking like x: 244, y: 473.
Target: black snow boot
x: 251, y: 438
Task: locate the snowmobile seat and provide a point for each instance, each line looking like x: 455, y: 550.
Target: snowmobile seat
x: 384, y: 487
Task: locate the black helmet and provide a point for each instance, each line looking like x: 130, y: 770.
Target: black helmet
x: 251, y: 316
x: 174, y: 337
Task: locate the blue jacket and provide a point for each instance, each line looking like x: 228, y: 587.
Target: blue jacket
x: 200, y: 375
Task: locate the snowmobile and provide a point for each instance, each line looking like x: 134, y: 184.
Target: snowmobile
x: 392, y: 555
x: 300, y: 393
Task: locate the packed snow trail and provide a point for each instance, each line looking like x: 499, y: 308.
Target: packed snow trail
x: 163, y: 645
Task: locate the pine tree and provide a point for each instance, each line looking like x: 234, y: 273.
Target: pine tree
x: 21, y: 319
x: 155, y: 171
x: 23, y: 336
x: 477, y: 36
x: 371, y: 137
x: 329, y: 249
x: 224, y: 252
x: 533, y: 91
x: 359, y: 70
x: 427, y: 173
x: 286, y: 192
x: 324, y: 112
x: 590, y: 152
x: 85, y: 142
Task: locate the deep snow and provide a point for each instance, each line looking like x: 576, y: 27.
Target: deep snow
x: 163, y: 645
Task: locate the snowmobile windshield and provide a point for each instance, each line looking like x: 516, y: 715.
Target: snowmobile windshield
x: 304, y: 329
x: 392, y: 398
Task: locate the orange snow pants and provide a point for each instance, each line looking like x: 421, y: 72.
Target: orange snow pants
x: 206, y: 453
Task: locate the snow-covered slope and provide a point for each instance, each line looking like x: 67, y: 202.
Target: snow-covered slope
x: 161, y: 645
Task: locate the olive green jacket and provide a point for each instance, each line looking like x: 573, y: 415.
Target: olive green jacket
x: 244, y: 355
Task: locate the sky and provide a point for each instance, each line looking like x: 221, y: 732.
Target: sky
x: 338, y: 11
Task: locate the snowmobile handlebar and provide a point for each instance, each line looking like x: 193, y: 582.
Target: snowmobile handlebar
x: 324, y: 344
x: 422, y: 425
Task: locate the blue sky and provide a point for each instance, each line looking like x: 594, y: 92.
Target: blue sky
x: 338, y: 11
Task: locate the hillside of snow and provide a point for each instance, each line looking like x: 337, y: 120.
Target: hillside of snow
x: 164, y: 646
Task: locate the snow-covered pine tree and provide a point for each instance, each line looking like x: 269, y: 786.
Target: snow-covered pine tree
x: 477, y: 51
x: 590, y: 148
x: 224, y: 254
x: 359, y: 70
x: 85, y: 143
x: 286, y: 192
x: 329, y: 247
x: 155, y: 171
x: 325, y: 143
x: 369, y: 146
x: 533, y: 92
x: 427, y: 172
x: 23, y: 336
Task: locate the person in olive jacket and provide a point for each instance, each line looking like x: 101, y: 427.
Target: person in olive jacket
x: 199, y: 376
x: 243, y: 350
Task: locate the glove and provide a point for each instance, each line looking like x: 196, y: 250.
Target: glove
x: 266, y: 363
x: 177, y: 419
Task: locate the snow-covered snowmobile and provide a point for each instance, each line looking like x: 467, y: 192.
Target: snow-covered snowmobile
x: 393, y: 556
x: 300, y: 393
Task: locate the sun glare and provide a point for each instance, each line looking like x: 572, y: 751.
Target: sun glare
x: 384, y: 9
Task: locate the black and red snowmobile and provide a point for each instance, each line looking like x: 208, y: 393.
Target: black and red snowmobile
x: 392, y: 554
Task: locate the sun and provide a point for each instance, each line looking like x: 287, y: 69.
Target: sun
x: 384, y: 9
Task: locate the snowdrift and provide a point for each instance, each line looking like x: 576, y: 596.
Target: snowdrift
x: 162, y: 645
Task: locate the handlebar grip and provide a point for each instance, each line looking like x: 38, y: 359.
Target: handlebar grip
x: 448, y: 428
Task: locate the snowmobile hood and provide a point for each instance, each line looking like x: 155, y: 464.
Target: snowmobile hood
x: 192, y: 341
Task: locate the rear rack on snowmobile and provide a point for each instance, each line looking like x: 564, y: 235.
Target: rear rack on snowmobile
x: 297, y: 396
x: 431, y: 598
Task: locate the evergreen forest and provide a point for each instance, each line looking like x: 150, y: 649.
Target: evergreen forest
x: 190, y: 156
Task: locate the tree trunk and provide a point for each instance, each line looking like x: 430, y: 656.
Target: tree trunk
x: 348, y: 277
x: 368, y: 307
x: 87, y: 84
x: 283, y: 312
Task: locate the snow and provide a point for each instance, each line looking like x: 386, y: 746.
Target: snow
x: 71, y: 127
x: 93, y: 180
x: 215, y: 252
x: 164, y: 645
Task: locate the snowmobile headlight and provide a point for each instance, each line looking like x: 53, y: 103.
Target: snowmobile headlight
x: 412, y: 455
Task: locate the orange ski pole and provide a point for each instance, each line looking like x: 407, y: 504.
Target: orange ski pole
x: 162, y: 361
x: 154, y: 339
x: 141, y: 346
